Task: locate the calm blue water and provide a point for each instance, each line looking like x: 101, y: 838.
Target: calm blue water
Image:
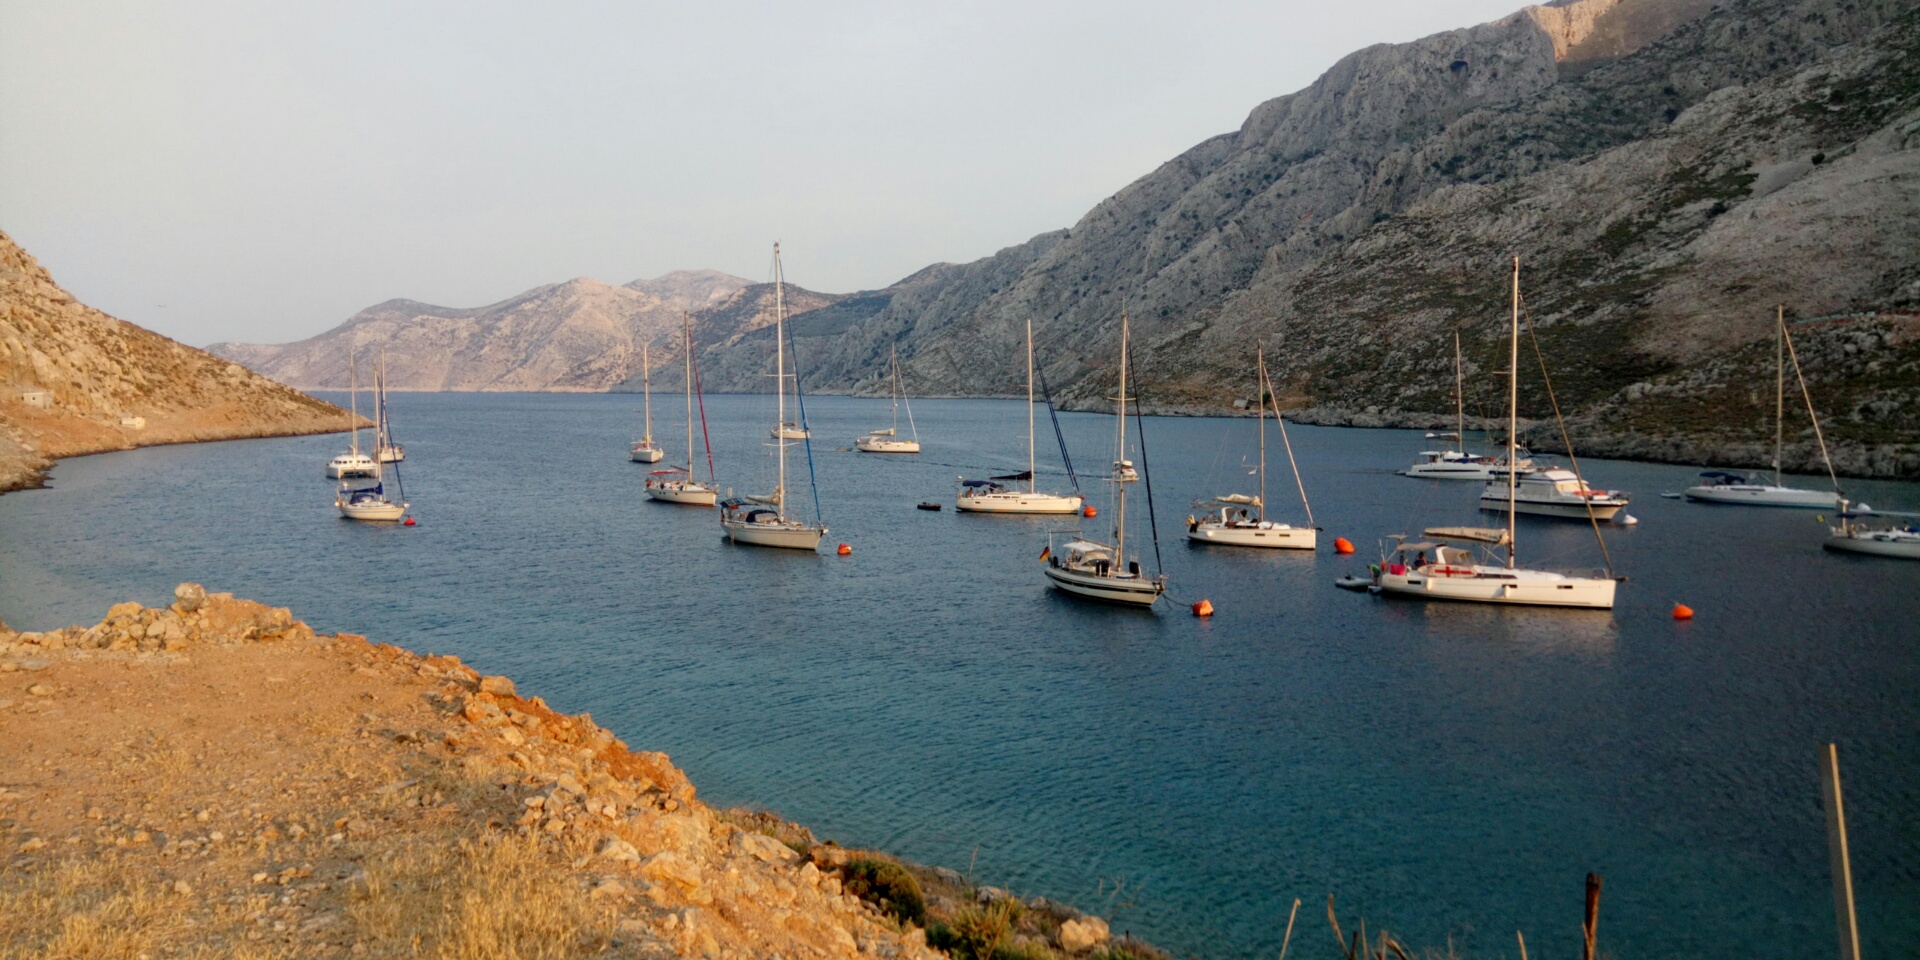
x: 1447, y: 771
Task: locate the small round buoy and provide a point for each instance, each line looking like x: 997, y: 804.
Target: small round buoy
x: 1682, y: 612
x: 844, y: 550
x: 1203, y: 609
x: 1630, y: 521
x: 1342, y: 545
x: 1089, y: 511
x: 409, y: 521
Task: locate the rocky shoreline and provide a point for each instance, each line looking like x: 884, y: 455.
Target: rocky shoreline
x: 213, y: 778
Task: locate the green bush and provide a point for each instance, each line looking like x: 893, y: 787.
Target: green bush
x: 889, y: 886
x: 975, y: 933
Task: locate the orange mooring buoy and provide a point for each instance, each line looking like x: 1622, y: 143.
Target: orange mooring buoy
x: 1342, y: 545
x: 844, y: 550
x: 1682, y: 612
x: 1089, y: 511
x: 409, y: 522
x: 1203, y: 609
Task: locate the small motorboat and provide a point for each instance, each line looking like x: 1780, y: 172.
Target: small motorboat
x: 927, y: 505
x: 1351, y: 582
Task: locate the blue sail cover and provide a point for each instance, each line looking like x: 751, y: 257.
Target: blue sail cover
x: 980, y: 483
x: 366, y: 494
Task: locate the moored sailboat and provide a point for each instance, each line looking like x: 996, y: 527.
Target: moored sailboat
x: 676, y: 484
x: 889, y: 440
x: 1452, y: 464
x: 1101, y: 571
x: 763, y: 520
x: 353, y: 463
x: 1453, y: 572
x: 1753, y: 490
x: 1901, y: 540
x: 1239, y: 520
x: 993, y: 495
x: 643, y: 450
x: 372, y: 503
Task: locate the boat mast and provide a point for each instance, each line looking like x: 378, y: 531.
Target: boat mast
x: 1459, y: 398
x: 1260, y: 390
x: 646, y: 385
x: 1513, y: 410
x: 1032, y: 482
x: 893, y: 363
x: 1119, y: 458
x: 1779, y: 388
x: 780, y: 380
x: 353, y: 400
x: 686, y: 320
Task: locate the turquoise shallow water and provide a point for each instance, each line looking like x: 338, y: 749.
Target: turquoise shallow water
x: 1449, y: 772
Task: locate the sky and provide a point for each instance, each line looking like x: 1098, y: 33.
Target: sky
x: 260, y: 171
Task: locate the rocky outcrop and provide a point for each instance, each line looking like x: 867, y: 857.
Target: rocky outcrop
x: 74, y: 380
x: 267, y: 790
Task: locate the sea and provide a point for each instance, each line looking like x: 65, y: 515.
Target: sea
x: 1449, y: 773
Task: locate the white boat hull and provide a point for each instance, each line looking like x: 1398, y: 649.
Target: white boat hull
x: 347, y: 468
x: 646, y: 455
x: 793, y: 536
x: 1602, y: 509
x: 1272, y: 535
x: 1008, y: 501
x: 787, y: 433
x: 886, y: 445
x: 386, y: 511
x: 1764, y: 495
x: 392, y: 454
x: 1499, y: 585
x: 691, y: 494
x: 1124, y: 588
x: 1906, y: 546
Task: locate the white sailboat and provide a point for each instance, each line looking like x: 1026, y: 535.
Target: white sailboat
x: 763, y: 520
x: 643, y: 450
x: 1238, y: 520
x: 994, y: 496
x: 1451, y: 464
x: 676, y: 485
x: 889, y: 440
x: 1455, y: 573
x: 1100, y: 571
x: 1902, y: 541
x: 372, y: 503
x: 385, y: 449
x: 1719, y: 486
x: 353, y: 463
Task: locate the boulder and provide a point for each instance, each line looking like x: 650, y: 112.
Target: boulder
x: 187, y: 597
x: 497, y: 685
x: 763, y: 848
x: 614, y: 848
x: 1083, y: 934
x: 669, y: 867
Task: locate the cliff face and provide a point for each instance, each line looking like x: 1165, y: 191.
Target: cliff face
x: 74, y: 381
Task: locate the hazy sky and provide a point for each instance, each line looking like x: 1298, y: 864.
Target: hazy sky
x: 261, y: 171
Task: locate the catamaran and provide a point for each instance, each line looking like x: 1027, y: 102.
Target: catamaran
x: 353, y: 463
x: 888, y: 440
x: 1451, y: 464
x: 993, y: 495
x: 1088, y: 568
x: 643, y: 450
x: 1719, y: 486
x: 1239, y: 520
x: 1447, y: 571
x: 675, y: 484
x: 763, y: 520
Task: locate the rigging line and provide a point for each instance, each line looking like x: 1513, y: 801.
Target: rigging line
x: 1054, y: 416
x: 1572, y: 460
x: 1808, y: 397
x: 806, y: 431
x: 700, y: 396
x: 1267, y: 386
x: 1146, y: 471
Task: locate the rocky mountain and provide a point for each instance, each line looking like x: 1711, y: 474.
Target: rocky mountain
x: 1669, y: 172
x: 74, y: 380
x: 581, y: 335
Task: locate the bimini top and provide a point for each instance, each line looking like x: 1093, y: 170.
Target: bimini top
x: 1495, y: 536
x: 1723, y: 475
x: 980, y: 483
x: 1086, y: 548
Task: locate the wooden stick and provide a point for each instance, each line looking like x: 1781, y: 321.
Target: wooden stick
x: 1289, y: 937
x: 1338, y: 937
x: 1837, y: 853
x: 1523, y: 944
x: 1591, y: 926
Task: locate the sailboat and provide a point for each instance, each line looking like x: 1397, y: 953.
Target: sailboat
x: 1453, y: 572
x: 643, y: 449
x: 1088, y: 568
x: 888, y: 440
x: 353, y: 463
x: 1901, y: 540
x: 676, y: 485
x: 1458, y: 464
x: 994, y: 496
x: 1719, y: 486
x: 372, y: 503
x: 763, y: 520
x: 1239, y: 520
x: 385, y: 449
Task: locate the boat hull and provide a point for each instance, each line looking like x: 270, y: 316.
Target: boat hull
x: 1274, y: 536
x: 692, y: 496
x: 344, y: 469
x: 384, y: 511
x: 792, y: 536
x: 1011, y: 502
x: 1602, y: 509
x: 1523, y: 588
x: 1761, y: 495
x: 885, y: 445
x: 1125, y: 589
x: 1904, y: 547
x: 646, y: 455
